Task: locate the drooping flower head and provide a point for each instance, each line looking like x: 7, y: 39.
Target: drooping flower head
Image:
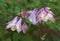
x: 15, y: 24
x: 45, y: 14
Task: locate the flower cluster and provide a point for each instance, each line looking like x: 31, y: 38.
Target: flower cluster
x: 34, y: 16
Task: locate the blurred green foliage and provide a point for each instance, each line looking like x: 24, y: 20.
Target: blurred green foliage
x: 9, y: 9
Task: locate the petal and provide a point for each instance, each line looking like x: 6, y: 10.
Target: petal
x: 50, y: 15
x: 32, y: 19
x: 18, y: 29
x: 52, y: 19
x: 13, y: 21
x: 19, y: 21
x: 24, y: 27
x: 45, y: 18
x: 9, y: 26
x: 18, y: 24
x: 32, y: 11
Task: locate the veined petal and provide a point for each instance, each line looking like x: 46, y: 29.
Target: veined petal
x: 13, y: 21
x: 32, y: 17
x: 18, y: 25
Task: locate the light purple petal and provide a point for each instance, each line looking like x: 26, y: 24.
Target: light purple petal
x: 13, y: 20
x: 33, y: 11
x: 18, y: 24
x: 9, y: 26
x: 32, y: 17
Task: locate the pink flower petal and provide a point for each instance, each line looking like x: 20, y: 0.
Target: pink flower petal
x: 24, y: 27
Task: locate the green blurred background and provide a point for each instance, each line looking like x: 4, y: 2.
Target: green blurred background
x: 46, y: 32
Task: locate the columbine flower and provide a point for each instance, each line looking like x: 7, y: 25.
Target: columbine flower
x: 14, y: 24
x: 45, y: 14
x: 32, y: 16
x: 24, y: 27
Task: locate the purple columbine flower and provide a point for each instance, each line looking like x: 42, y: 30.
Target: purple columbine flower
x: 32, y: 16
x: 14, y: 24
x: 45, y: 14
x: 24, y: 27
